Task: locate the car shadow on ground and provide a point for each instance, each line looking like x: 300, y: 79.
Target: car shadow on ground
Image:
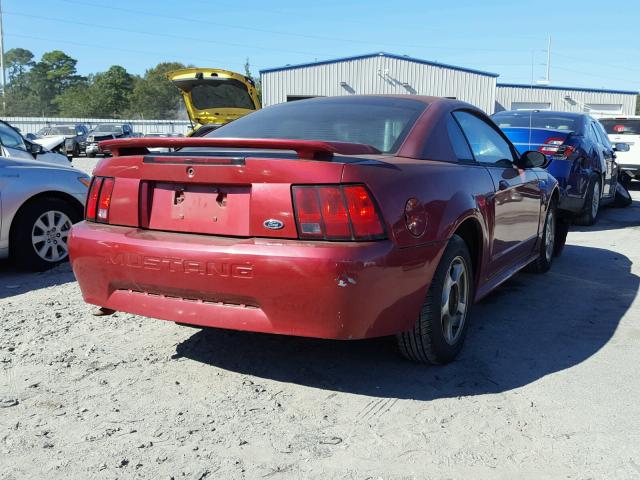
x: 16, y: 282
x: 612, y: 218
x: 532, y: 326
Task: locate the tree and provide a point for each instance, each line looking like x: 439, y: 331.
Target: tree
x: 111, y: 92
x: 75, y: 101
x: 154, y: 96
x: 258, y: 83
x: 18, y: 61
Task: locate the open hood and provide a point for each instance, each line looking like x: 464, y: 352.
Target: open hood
x: 214, y: 96
x: 50, y: 142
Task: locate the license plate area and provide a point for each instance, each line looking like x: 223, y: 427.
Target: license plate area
x: 197, y: 208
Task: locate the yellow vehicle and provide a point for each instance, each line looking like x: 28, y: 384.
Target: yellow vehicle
x: 214, y: 97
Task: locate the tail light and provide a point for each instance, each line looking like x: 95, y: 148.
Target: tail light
x: 555, y: 146
x: 99, y: 199
x: 336, y: 212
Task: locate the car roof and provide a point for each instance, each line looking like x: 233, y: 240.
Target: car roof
x: 575, y: 115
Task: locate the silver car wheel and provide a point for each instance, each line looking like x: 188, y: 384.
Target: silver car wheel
x: 595, y: 200
x: 550, y: 235
x: 455, y: 300
x: 49, y: 235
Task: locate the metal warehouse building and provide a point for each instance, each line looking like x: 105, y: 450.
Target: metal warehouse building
x: 568, y: 99
x: 378, y: 73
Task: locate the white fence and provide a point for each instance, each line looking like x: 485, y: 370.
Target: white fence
x: 33, y: 124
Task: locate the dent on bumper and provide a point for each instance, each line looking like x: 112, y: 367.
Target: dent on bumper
x: 315, y: 289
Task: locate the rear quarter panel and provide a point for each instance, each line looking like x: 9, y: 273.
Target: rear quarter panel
x: 448, y: 194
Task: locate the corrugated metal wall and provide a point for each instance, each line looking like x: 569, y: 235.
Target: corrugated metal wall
x: 33, y: 124
x: 578, y: 101
x: 378, y: 75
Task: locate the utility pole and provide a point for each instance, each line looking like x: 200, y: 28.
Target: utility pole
x: 548, y: 79
x: 4, y: 80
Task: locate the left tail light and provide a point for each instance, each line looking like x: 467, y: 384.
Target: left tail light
x: 99, y: 199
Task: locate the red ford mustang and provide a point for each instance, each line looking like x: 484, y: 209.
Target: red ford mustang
x: 344, y: 218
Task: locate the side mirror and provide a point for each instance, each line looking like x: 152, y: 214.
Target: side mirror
x: 36, y: 149
x: 621, y: 147
x: 531, y: 159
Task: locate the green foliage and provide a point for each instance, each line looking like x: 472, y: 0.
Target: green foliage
x: 154, y: 96
x: 256, y: 80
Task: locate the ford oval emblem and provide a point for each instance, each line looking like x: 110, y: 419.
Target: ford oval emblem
x: 273, y: 224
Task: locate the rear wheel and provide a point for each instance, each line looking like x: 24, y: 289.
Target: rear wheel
x: 40, y: 233
x: 548, y: 247
x: 592, y: 203
x: 622, y: 197
x: 441, y: 327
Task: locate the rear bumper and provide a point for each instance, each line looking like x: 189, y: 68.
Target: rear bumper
x: 314, y: 289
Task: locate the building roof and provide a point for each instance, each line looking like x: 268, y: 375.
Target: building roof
x: 572, y: 89
x: 379, y: 54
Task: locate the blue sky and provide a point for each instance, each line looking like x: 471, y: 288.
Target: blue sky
x: 592, y: 45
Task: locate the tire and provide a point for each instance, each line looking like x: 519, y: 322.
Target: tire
x: 549, y: 243
x: 76, y: 150
x: 589, y: 215
x: 91, y: 154
x: 42, y: 224
x: 623, y: 197
x: 430, y: 341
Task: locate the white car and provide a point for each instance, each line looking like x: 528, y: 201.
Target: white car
x: 625, y: 130
x: 12, y: 145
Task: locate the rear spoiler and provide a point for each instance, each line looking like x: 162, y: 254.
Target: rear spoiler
x: 305, y: 149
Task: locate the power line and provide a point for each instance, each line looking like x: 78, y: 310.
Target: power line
x: 103, y: 47
x: 157, y: 34
x: 277, y: 32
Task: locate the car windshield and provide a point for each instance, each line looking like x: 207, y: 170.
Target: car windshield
x: 222, y: 93
x: 551, y: 121
x: 621, y: 126
x: 377, y: 121
x: 108, y: 128
x: 62, y: 131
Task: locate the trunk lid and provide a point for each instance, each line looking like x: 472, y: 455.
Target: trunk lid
x: 215, y: 96
x: 525, y: 139
x: 244, y: 191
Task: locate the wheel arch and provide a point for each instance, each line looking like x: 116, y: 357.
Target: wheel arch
x: 470, y: 230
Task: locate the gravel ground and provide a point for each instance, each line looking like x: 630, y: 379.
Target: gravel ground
x: 547, y: 386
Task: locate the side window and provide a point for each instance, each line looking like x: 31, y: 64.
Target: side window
x: 594, y: 133
x: 487, y: 145
x: 10, y: 138
x: 458, y: 142
x: 603, y: 135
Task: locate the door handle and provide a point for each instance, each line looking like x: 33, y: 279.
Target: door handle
x: 503, y: 185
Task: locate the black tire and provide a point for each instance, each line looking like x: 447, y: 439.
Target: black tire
x: 546, y: 252
x: 426, y: 342
x: 76, y: 150
x: 588, y: 217
x: 91, y: 154
x: 623, y: 197
x: 22, y: 249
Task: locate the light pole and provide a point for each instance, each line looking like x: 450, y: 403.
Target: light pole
x: 4, y: 81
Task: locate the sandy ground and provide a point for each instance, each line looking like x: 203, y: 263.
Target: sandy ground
x: 547, y: 386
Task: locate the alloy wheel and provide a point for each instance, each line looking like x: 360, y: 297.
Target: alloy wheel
x: 455, y: 300
x: 49, y: 235
x: 550, y: 235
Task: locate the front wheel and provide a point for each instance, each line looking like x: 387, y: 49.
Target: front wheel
x: 39, y: 236
x: 440, y: 329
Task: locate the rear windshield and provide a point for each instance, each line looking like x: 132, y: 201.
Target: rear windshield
x: 537, y: 120
x: 615, y: 126
x: 222, y: 93
x: 108, y: 128
x: 380, y: 122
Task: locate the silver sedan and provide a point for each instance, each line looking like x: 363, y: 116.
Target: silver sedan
x: 38, y: 204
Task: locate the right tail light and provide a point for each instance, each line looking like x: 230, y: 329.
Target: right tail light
x: 336, y: 212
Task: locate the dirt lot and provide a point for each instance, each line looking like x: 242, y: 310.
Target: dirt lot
x: 547, y: 386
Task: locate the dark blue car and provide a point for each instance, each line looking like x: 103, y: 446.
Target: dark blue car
x: 579, y: 153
